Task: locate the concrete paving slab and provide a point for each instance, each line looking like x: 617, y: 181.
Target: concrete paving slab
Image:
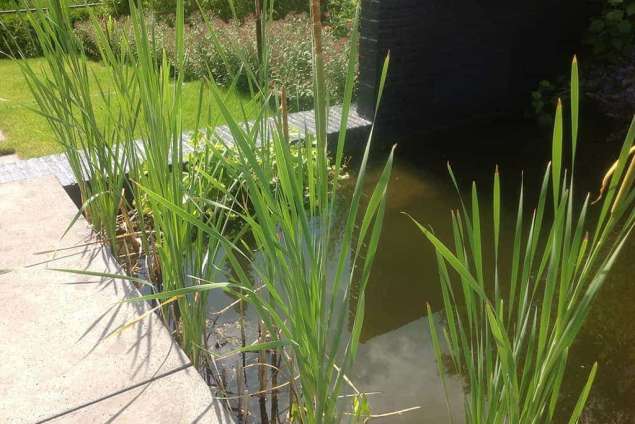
x: 59, y: 363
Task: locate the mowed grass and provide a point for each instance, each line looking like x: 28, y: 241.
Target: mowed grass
x: 28, y: 133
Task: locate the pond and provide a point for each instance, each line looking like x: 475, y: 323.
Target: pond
x: 396, y: 356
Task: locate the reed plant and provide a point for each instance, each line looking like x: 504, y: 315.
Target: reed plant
x: 308, y: 255
x: 509, y: 333
x: 301, y: 256
x: 95, y: 149
x: 186, y: 256
x: 146, y: 101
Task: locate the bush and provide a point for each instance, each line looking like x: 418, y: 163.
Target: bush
x: 613, y: 87
x: 119, y: 30
x: 611, y: 34
x: 223, y: 8
x: 290, y: 55
x: 117, y: 7
x: 337, y: 14
x: 340, y: 14
x: 291, y: 60
x: 17, y: 37
x: 610, y: 57
x: 221, y: 53
x: 232, y: 46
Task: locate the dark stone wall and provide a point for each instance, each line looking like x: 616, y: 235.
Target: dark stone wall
x: 455, y: 61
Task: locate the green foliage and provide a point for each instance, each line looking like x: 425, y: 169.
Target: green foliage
x: 310, y: 265
x: 510, y: 326
x: 208, y: 151
x: 223, y: 50
x: 116, y: 7
x: 228, y: 10
x: 340, y: 14
x: 543, y: 101
x: 119, y: 32
x: 6, y: 151
x: 16, y: 32
x: 227, y: 52
x: 65, y: 100
x: 168, y: 7
x: 308, y: 277
x: 291, y: 61
x: 224, y: 9
x: 611, y: 35
x: 18, y: 37
x: 610, y: 38
x: 9, y: 4
x: 241, y: 9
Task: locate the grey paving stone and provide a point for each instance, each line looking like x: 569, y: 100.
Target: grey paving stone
x: 57, y: 165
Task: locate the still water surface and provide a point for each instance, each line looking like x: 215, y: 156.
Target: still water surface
x: 396, y: 356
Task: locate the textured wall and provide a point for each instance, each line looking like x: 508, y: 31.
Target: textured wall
x: 454, y: 61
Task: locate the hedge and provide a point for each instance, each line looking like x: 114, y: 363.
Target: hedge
x: 17, y: 36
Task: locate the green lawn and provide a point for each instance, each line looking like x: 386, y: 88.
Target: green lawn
x: 28, y: 133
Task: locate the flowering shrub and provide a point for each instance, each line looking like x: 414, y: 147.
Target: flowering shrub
x: 222, y: 52
x: 337, y: 14
x: 229, y: 49
x: 120, y: 29
x: 291, y: 60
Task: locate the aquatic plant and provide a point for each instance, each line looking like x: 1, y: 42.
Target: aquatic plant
x: 311, y: 266
x: 292, y: 258
x: 146, y: 101
x: 509, y: 334
x: 96, y: 150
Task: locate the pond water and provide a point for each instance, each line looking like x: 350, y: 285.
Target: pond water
x: 396, y: 356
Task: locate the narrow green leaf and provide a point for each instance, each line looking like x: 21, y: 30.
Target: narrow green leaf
x: 556, y: 154
x: 579, y: 406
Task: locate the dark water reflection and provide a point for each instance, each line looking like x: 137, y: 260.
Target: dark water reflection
x: 396, y: 356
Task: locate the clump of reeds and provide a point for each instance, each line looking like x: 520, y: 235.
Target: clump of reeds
x: 308, y: 259
x: 510, y: 334
x: 97, y: 153
x: 293, y: 257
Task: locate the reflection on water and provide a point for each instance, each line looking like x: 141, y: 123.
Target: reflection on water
x: 396, y: 356
x: 400, y: 365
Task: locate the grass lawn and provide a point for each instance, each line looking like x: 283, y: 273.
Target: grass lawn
x: 28, y: 133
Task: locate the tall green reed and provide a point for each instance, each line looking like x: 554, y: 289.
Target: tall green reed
x: 312, y: 263
x: 62, y: 89
x: 509, y: 335
x: 145, y: 101
x: 186, y: 255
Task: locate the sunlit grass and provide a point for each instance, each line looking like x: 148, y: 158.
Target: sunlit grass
x: 29, y: 134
